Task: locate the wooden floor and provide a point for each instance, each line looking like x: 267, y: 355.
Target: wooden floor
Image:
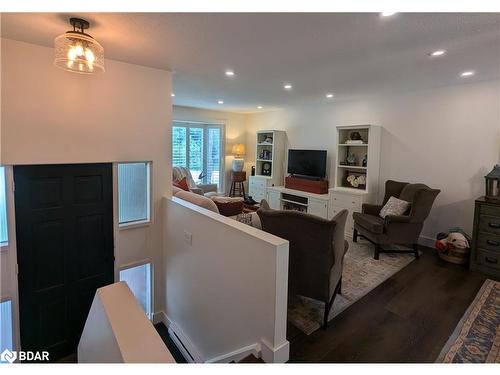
x: 408, y: 318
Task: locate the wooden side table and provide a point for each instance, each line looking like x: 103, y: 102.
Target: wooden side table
x: 237, y: 184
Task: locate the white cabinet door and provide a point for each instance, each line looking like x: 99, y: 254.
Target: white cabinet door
x: 318, y: 207
x: 274, y: 199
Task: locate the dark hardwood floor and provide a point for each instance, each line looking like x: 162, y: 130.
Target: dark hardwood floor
x: 408, y: 318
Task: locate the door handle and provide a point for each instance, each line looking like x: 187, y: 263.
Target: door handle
x: 492, y: 243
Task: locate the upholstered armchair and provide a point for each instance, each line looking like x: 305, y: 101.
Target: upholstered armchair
x: 179, y: 173
x: 396, y: 230
x: 316, y: 252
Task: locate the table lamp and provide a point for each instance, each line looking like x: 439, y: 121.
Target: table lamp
x: 238, y: 151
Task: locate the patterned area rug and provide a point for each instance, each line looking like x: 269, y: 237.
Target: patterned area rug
x: 477, y: 336
x: 360, y: 275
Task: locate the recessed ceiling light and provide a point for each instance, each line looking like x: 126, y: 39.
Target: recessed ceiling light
x: 329, y: 95
x: 220, y: 101
x: 259, y: 107
x: 172, y: 95
x: 439, y: 52
x: 468, y: 73
x: 387, y: 14
x: 229, y: 73
x: 287, y: 86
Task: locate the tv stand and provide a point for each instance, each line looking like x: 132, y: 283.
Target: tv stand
x: 307, y: 185
x: 311, y: 178
x: 282, y: 198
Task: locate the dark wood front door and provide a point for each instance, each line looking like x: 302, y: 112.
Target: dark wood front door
x: 64, y: 232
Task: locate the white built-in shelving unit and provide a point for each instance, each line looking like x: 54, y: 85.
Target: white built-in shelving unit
x: 269, y: 156
x: 344, y: 195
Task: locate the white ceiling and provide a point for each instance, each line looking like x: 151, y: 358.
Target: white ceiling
x: 351, y: 55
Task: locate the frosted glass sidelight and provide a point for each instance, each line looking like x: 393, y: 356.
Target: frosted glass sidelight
x: 138, y: 279
x: 133, y: 192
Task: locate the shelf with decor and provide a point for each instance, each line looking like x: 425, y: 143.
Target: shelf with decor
x: 357, y: 170
x: 269, y: 162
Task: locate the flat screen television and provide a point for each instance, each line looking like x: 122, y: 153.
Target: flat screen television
x: 307, y: 163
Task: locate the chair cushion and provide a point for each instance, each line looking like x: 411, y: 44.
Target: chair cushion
x: 371, y: 223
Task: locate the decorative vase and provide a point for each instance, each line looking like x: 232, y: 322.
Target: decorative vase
x: 238, y: 164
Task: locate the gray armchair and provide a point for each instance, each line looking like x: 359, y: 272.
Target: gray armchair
x: 316, y: 252
x: 396, y: 230
x: 201, y: 189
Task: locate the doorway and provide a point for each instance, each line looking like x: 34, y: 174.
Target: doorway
x: 64, y: 232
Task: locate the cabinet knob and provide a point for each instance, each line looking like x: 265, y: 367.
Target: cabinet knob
x: 492, y: 243
x: 494, y: 225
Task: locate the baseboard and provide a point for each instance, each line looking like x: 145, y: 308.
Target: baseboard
x: 426, y: 241
x: 237, y: 355
x: 161, y: 317
x: 279, y: 354
x: 184, y: 344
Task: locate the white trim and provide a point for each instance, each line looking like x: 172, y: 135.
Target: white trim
x: 184, y: 344
x: 142, y: 222
x: 237, y: 355
x: 11, y: 291
x: 279, y: 354
x: 161, y: 317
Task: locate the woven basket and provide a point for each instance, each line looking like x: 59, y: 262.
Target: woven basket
x: 457, y: 256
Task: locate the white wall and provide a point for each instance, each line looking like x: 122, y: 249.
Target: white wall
x: 118, y: 331
x: 52, y: 116
x: 226, y: 287
x: 235, y: 129
x: 448, y: 138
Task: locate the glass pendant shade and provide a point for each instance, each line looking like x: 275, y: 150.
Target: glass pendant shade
x: 78, y: 52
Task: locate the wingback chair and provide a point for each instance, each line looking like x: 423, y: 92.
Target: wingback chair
x: 179, y: 173
x: 396, y: 230
x: 316, y: 252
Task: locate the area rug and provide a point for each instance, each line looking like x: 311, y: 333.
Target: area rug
x: 360, y: 275
x: 476, y: 338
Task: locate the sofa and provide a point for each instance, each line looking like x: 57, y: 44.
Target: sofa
x: 210, y: 204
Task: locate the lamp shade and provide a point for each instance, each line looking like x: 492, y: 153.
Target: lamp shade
x: 77, y: 51
x: 238, y: 149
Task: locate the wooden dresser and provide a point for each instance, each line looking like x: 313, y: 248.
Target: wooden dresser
x: 485, y: 256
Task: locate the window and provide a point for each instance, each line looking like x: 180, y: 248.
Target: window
x: 198, y: 147
x: 5, y: 325
x: 4, y: 231
x: 133, y: 192
x: 138, y: 279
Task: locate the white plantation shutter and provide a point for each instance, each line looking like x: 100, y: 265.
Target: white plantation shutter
x: 179, y: 142
x: 199, y: 146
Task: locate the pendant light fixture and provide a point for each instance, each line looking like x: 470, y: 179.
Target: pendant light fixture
x: 76, y: 51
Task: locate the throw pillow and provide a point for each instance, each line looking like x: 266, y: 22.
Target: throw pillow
x: 229, y: 208
x: 394, y: 206
x: 182, y: 184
